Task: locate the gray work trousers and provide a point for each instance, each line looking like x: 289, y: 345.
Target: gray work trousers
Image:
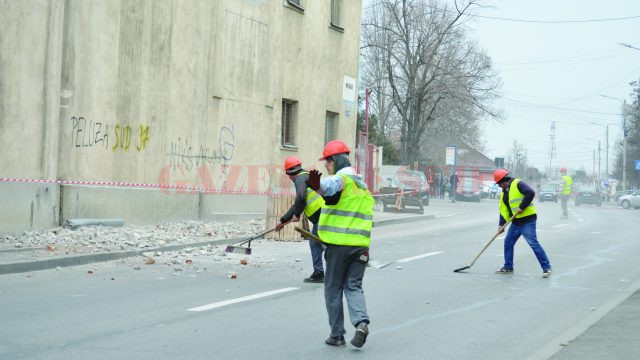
x: 563, y: 201
x: 343, y: 274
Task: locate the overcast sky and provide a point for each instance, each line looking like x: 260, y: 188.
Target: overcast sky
x: 557, y: 72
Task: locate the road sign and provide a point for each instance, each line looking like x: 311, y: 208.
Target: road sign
x: 450, y: 155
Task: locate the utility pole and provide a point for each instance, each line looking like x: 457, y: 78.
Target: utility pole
x: 625, y: 132
x: 552, y: 148
x: 599, y: 161
x: 607, y: 152
x: 593, y: 172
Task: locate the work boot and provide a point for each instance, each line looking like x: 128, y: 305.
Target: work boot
x: 546, y: 273
x: 335, y: 341
x: 504, y: 271
x: 359, y: 338
x: 316, y: 277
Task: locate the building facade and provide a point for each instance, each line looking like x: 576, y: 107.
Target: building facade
x: 162, y: 110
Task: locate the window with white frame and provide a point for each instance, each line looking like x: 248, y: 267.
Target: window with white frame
x: 288, y: 122
x: 335, y: 12
x: 331, y: 126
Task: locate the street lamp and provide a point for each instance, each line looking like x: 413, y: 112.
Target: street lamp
x: 625, y: 132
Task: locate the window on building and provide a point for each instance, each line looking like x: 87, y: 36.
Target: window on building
x: 331, y: 125
x: 335, y: 12
x: 288, y: 122
x: 296, y: 4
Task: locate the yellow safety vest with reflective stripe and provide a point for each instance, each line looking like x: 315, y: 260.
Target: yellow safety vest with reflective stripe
x: 566, y: 188
x: 515, y: 199
x: 313, y: 201
x: 349, y: 221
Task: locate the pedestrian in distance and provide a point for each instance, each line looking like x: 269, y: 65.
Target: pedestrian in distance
x: 345, y: 226
x: 309, y: 202
x: 454, y: 180
x: 517, y: 199
x: 565, y: 194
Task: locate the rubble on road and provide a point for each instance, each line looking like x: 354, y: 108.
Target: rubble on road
x: 91, y: 239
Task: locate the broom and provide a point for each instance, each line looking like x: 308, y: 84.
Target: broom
x: 486, y: 246
x: 237, y: 247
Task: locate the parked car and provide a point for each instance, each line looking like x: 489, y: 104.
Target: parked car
x: 631, y: 200
x: 620, y: 193
x: 588, y: 195
x: 414, y: 184
x: 548, y: 193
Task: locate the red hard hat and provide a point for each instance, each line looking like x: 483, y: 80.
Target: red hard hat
x: 334, y: 147
x: 291, y: 162
x: 563, y: 170
x: 499, y: 174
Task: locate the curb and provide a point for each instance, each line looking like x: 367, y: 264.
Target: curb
x: 403, y: 220
x: 27, y: 266
x: 410, y: 219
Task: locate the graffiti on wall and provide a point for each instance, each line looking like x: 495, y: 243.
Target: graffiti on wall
x: 183, y: 153
x: 88, y: 133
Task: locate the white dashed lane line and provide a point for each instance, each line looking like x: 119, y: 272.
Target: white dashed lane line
x: 418, y: 257
x: 242, y: 299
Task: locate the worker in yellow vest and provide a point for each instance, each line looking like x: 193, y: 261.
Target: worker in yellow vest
x: 565, y: 192
x: 517, y: 199
x: 345, y: 226
x: 309, y: 202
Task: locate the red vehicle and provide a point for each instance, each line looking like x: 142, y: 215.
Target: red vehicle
x: 469, y: 184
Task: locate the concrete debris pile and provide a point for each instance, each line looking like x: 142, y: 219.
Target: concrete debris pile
x: 94, y: 239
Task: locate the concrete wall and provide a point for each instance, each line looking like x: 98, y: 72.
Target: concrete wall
x: 28, y: 206
x: 180, y: 93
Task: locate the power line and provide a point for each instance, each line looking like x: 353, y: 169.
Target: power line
x: 522, y: 20
x: 556, y: 21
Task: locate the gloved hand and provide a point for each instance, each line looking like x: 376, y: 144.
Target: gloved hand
x: 295, y: 218
x: 279, y: 226
x: 500, y: 229
x: 314, y: 180
x: 517, y: 211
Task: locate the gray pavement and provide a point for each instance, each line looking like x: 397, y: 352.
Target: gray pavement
x: 609, y: 332
x: 35, y: 259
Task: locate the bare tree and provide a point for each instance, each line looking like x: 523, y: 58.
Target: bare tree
x: 432, y: 71
x: 516, y: 162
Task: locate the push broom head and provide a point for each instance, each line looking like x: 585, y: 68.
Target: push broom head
x: 238, y: 250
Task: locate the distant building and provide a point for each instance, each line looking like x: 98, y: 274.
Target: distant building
x: 164, y: 94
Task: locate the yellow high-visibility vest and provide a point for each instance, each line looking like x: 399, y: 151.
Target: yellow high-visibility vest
x: 349, y: 221
x: 313, y: 201
x: 515, y: 199
x: 566, y: 188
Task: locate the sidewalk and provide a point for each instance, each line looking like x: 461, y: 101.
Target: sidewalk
x: 64, y: 247
x: 614, y: 336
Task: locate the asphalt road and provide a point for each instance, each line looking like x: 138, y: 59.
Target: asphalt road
x: 419, y: 308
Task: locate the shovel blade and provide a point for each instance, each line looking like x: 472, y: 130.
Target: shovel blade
x: 461, y: 269
x: 238, y: 250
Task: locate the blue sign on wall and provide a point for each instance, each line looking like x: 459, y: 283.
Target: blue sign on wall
x: 637, y: 165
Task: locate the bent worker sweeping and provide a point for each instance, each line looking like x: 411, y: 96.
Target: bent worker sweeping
x: 517, y: 199
x: 345, y: 226
x: 310, y: 202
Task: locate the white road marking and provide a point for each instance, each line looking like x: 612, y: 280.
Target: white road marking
x: 594, y: 232
x: 245, y: 298
x: 559, y: 225
x: 419, y: 256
